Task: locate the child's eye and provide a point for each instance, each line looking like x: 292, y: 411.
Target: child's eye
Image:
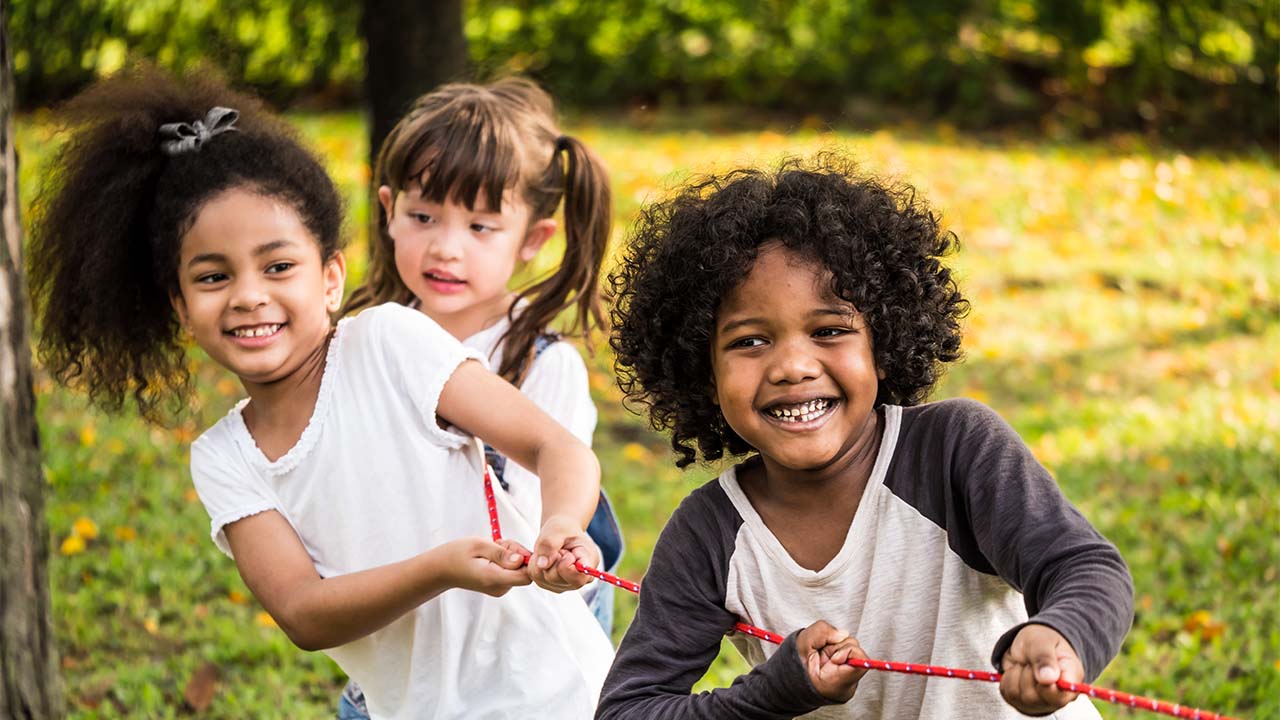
x: 832, y: 332
x: 747, y: 342
x: 420, y: 217
x: 481, y: 228
x: 211, y: 278
x: 279, y: 267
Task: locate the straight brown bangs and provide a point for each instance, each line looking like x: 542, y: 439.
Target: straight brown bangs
x: 458, y: 160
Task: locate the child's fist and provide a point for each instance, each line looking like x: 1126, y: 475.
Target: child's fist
x: 1032, y: 666
x: 825, y: 653
x: 485, y: 566
x: 561, y: 543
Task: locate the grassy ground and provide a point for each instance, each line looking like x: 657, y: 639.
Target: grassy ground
x: 1126, y: 321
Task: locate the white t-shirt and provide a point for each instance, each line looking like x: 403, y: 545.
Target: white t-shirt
x: 374, y: 480
x: 557, y: 383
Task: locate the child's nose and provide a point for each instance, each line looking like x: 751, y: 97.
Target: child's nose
x: 792, y: 362
x: 447, y: 243
x: 249, y: 295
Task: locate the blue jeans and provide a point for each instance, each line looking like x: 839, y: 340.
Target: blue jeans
x: 606, y: 534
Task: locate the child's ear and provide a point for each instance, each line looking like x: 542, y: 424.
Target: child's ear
x: 180, y: 307
x: 539, y: 233
x: 335, y: 274
x: 388, y: 201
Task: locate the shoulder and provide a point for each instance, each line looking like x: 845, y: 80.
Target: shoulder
x: 559, y: 358
x: 706, y: 515
x: 217, y: 443
x: 953, y: 422
x: 388, y: 317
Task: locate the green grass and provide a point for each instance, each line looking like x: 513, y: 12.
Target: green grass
x: 1126, y: 321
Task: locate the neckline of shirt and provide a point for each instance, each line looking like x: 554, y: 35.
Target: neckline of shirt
x: 307, y: 440
x: 774, y: 547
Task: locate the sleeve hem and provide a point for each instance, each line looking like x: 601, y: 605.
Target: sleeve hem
x: 217, y: 524
x: 431, y: 399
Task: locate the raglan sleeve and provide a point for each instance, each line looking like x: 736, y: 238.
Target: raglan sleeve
x: 1072, y: 579
x: 676, y: 635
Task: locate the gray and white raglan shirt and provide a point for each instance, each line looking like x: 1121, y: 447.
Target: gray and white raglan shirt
x: 960, y: 539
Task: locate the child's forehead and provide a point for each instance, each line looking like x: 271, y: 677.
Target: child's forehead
x: 780, y: 276
x: 420, y: 188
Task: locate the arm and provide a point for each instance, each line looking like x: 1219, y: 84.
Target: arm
x: 676, y: 634
x: 483, y: 404
x: 1072, y: 579
x: 318, y: 613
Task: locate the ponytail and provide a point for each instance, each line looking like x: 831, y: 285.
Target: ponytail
x: 103, y: 314
x: 115, y: 203
x: 587, y: 222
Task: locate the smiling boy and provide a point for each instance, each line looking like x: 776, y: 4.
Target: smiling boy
x: 799, y: 319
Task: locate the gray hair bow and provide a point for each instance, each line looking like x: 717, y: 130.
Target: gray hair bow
x: 182, y: 138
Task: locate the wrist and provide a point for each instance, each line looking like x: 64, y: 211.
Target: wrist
x: 436, y: 572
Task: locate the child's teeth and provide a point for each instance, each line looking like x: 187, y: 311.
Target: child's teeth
x: 803, y: 412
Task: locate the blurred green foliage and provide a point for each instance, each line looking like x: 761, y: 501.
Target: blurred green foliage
x: 1204, y: 70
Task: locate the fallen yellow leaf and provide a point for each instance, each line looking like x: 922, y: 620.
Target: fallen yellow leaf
x: 85, y: 528
x: 73, y: 545
x: 635, y: 452
x: 265, y: 620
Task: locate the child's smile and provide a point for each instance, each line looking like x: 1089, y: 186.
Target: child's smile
x: 794, y: 371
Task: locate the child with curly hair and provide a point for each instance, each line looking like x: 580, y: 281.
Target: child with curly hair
x: 800, y: 319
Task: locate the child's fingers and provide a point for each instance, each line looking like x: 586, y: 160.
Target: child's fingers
x: 516, y: 555
x: 1030, y: 683
x: 845, y: 651
x: 560, y: 575
x: 817, y: 636
x: 502, y: 554
x: 555, y: 534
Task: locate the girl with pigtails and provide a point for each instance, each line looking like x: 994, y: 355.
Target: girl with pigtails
x: 347, y: 486
x: 468, y: 185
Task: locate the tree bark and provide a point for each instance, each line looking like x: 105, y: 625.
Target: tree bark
x: 29, y: 684
x: 411, y: 47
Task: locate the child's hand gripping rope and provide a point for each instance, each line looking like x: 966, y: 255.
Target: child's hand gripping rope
x: 856, y: 658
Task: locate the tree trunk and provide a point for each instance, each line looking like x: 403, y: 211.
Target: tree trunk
x: 411, y: 47
x: 29, y: 686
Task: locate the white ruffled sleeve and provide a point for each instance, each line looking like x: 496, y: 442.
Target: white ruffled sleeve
x: 228, y: 487
x: 419, y: 357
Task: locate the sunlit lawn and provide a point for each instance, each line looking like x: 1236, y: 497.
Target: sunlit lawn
x: 1126, y: 321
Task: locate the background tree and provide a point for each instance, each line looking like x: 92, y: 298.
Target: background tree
x: 29, y: 686
x: 411, y: 47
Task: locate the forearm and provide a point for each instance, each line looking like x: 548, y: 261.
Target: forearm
x: 327, y: 612
x: 777, y: 689
x: 570, y: 478
x: 1087, y: 596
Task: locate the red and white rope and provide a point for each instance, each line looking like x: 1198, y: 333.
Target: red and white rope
x: 1100, y: 693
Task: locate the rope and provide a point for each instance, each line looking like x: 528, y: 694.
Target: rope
x: 1093, y: 691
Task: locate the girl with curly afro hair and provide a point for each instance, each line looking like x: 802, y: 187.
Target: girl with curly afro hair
x: 799, y: 319
x: 347, y: 485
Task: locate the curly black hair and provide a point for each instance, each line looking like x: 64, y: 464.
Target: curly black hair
x: 111, y: 213
x: 880, y: 242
